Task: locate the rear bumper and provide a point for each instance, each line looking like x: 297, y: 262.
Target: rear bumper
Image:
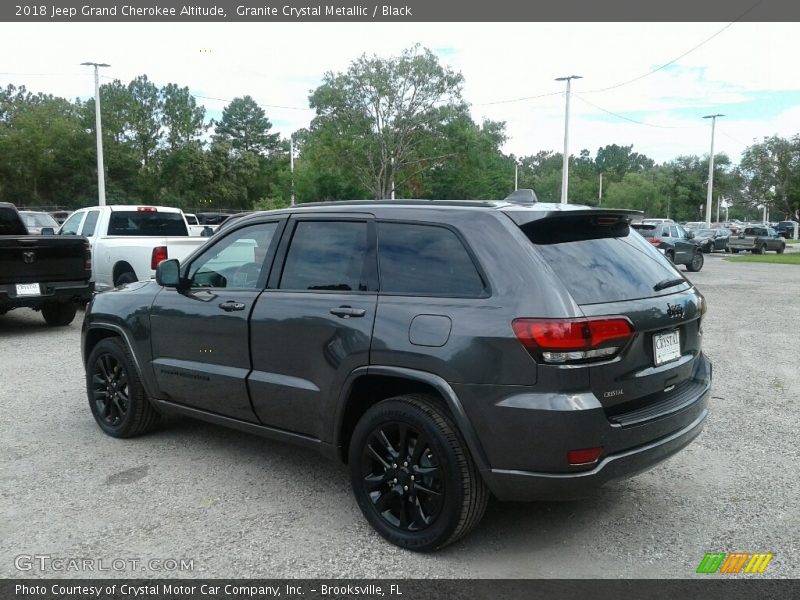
x: 527, y: 435
x: 61, y: 291
x: 525, y: 485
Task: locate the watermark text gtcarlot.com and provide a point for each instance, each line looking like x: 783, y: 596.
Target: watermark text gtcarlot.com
x: 44, y: 563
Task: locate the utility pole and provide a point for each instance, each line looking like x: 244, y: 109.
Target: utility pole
x: 393, y: 178
x: 600, y: 194
x: 719, y: 199
x: 711, y: 168
x: 516, y: 175
x: 291, y: 166
x: 101, y: 176
x: 565, y: 165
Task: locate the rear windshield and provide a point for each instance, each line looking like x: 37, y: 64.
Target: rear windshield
x: 599, y: 260
x: 755, y: 231
x: 133, y: 222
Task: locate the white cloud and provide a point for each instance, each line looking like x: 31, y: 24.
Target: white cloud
x: 279, y: 63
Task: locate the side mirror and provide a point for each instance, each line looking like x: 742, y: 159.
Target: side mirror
x: 48, y: 231
x: 168, y: 273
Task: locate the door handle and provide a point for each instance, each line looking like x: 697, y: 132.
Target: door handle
x: 231, y: 306
x: 348, y: 311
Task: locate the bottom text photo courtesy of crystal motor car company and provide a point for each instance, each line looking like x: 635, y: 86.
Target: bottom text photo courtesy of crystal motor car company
x: 243, y: 590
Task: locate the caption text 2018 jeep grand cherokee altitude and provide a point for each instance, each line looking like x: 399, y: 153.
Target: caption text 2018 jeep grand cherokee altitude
x: 443, y: 349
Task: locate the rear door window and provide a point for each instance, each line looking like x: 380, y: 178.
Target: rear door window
x: 601, y: 259
x: 327, y: 255
x: 425, y: 260
x: 90, y: 223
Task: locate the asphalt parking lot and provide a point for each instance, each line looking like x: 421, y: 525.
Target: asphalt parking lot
x: 240, y: 506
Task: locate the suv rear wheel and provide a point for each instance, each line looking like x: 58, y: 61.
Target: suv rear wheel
x: 412, y: 475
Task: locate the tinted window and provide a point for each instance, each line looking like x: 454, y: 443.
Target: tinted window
x: 601, y: 263
x: 10, y: 223
x: 236, y: 261
x: 327, y: 255
x: 425, y: 260
x: 90, y: 223
x: 141, y: 222
x: 70, y: 226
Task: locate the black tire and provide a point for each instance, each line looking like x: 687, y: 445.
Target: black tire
x: 760, y: 250
x: 727, y: 250
x: 781, y: 249
x: 126, y: 277
x: 735, y: 251
x: 116, y: 396
x: 455, y: 496
x: 697, y: 262
x: 59, y: 314
x: 670, y: 256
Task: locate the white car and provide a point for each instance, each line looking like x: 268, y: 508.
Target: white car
x: 128, y: 242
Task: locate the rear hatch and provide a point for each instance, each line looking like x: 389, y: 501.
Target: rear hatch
x: 614, y: 275
x: 43, y: 259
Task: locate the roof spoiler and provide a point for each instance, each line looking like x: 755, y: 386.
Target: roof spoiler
x: 523, y: 196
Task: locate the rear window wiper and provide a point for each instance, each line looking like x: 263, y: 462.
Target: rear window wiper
x: 667, y: 283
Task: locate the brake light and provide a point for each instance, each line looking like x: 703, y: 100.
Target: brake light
x: 570, y: 340
x: 147, y: 209
x: 87, y: 260
x: 654, y: 241
x: 159, y: 254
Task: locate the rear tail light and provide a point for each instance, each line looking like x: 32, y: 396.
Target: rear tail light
x: 87, y: 261
x: 655, y: 241
x: 159, y: 255
x: 559, y: 341
x: 585, y: 456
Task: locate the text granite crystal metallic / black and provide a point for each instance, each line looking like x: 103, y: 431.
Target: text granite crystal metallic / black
x: 445, y: 350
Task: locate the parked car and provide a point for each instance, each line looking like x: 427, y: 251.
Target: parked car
x: 45, y: 273
x: 758, y: 240
x: 674, y: 242
x: 787, y: 229
x: 694, y: 226
x: 60, y: 215
x: 442, y: 349
x: 656, y: 221
x: 129, y: 241
x: 710, y: 240
x: 38, y: 223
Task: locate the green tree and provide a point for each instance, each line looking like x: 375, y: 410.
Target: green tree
x: 144, y: 116
x: 770, y: 172
x: 378, y: 113
x: 181, y: 117
x: 244, y: 127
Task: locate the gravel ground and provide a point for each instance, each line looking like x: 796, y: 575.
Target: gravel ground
x: 241, y: 506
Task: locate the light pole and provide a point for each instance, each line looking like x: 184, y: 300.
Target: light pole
x: 291, y: 166
x: 565, y: 166
x: 101, y: 176
x: 600, y: 193
x: 711, y: 168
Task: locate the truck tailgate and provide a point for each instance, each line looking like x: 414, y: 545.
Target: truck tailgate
x: 36, y: 259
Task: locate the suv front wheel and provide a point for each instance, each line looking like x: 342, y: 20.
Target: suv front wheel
x: 697, y: 262
x: 412, y: 475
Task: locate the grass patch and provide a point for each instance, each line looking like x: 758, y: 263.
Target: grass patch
x: 793, y: 241
x: 781, y: 259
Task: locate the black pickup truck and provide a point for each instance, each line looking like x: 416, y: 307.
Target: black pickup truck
x: 47, y: 273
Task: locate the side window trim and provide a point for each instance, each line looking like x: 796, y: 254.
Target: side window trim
x: 487, y: 290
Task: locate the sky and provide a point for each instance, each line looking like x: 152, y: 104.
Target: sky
x: 746, y: 71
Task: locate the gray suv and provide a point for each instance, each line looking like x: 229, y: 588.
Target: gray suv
x: 444, y: 350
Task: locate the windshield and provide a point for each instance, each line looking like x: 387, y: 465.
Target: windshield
x: 38, y: 220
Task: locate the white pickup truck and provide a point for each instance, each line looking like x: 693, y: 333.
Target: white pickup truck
x: 128, y: 242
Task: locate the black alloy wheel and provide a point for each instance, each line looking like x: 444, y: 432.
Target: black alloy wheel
x: 402, y: 477
x: 116, y: 395
x: 412, y: 474
x: 110, y: 389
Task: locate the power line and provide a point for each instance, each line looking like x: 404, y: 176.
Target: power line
x: 619, y: 116
x: 677, y: 58
x: 524, y: 98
